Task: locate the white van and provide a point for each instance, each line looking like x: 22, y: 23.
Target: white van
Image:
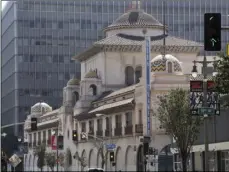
x: 95, y: 170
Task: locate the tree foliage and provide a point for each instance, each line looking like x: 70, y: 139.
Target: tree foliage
x: 61, y: 159
x: 222, y: 78
x: 174, y: 115
x: 40, y: 153
x: 100, y: 144
x: 50, y: 158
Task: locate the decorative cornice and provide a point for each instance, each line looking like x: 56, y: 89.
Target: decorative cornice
x: 133, y: 48
x: 134, y: 27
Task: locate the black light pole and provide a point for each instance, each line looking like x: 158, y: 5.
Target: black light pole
x: 205, y: 104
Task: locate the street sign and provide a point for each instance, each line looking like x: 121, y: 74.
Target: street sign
x: 206, y: 110
x: 110, y: 146
x: 83, y: 136
x: 14, y: 160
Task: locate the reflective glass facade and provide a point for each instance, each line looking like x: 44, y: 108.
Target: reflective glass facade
x: 40, y: 37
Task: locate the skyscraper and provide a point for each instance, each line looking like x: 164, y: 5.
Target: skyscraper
x: 39, y: 37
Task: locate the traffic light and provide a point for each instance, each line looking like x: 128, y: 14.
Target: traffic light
x: 112, y: 158
x: 212, y: 31
x: 60, y: 141
x: 74, y: 135
x: 33, y: 124
x: 146, y: 148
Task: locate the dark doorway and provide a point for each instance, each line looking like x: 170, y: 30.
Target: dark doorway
x: 165, y: 159
x: 140, y: 160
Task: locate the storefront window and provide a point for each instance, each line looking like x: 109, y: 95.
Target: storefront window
x: 213, y: 161
x: 225, y: 161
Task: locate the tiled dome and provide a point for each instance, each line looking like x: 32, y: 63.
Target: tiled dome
x: 73, y: 81
x: 158, y: 64
x: 41, y: 108
x: 91, y: 74
x: 134, y: 19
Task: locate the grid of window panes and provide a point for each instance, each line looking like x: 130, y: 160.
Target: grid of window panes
x: 50, y: 32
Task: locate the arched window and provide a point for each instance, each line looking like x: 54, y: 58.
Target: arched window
x: 75, y: 98
x: 138, y: 74
x: 94, y: 89
x: 170, y: 67
x: 129, y: 75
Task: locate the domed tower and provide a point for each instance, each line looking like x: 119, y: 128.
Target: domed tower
x: 39, y: 109
x: 167, y: 64
x: 132, y: 22
x: 91, y: 85
x: 71, y: 93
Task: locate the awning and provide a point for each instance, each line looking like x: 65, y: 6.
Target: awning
x: 112, y: 105
x: 48, y: 122
x: 212, y: 147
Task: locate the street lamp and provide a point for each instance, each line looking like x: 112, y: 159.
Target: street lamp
x: 194, y: 74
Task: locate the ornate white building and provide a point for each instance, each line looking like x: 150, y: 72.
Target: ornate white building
x: 109, y: 102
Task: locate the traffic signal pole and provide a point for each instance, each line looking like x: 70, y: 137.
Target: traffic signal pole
x: 205, y: 115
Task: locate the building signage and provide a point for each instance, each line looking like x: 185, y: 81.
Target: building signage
x: 196, y: 86
x: 148, y: 71
x: 53, y: 142
x: 211, y: 86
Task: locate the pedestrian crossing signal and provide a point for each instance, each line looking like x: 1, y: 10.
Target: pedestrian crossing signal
x: 60, y: 141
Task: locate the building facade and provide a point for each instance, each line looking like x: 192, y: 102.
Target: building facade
x: 108, y: 104
x: 39, y: 37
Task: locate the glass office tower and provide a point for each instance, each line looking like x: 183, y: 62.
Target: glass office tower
x: 39, y: 37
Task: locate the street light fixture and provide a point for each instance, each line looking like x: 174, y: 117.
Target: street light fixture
x: 194, y: 70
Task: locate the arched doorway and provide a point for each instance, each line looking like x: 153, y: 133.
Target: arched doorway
x: 129, y: 160
x: 165, y: 159
x: 119, y: 160
x: 68, y: 159
x: 140, y: 160
x: 92, y: 159
x: 83, y: 161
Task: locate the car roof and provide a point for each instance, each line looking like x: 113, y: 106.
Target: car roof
x: 95, y: 169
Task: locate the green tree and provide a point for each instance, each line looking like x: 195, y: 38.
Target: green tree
x: 40, y: 153
x: 100, y: 145
x: 50, y: 158
x: 173, y: 113
x: 61, y: 159
x: 222, y: 78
